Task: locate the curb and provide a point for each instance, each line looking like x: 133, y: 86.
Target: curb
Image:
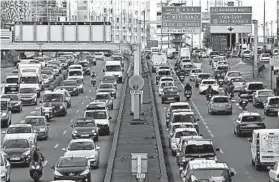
x: 164, y: 176
x: 110, y: 165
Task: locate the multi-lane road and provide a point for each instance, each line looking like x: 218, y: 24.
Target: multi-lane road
x: 235, y: 151
x: 61, y: 133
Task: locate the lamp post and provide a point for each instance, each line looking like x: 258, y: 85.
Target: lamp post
x: 255, y: 71
x: 230, y: 29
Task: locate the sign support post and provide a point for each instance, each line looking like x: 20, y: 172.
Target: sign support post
x: 139, y: 165
x: 137, y: 72
x: 255, y: 22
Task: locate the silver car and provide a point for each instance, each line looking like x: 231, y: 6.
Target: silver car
x: 220, y: 104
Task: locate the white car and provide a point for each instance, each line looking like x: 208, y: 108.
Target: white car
x: 194, y: 72
x: 273, y: 173
x: 166, y: 78
x: 275, y: 52
x: 163, y: 84
x: 84, y: 148
x: 205, y: 83
x: 265, y: 57
x: 231, y: 74
x: 222, y: 63
x: 99, y: 56
x: 238, y: 83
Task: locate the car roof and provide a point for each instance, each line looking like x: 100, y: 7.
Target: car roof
x: 21, y: 125
x: 81, y: 140
x: 254, y: 83
x: 219, y: 96
x: 14, y: 136
x: 204, y: 163
x: 211, y: 79
x: 264, y: 90
x: 200, y: 142
x: 184, y: 113
x: 102, y: 93
x: 249, y: 114
x: 35, y: 117
x: 179, y: 104
x: 182, y: 123
x: 184, y: 129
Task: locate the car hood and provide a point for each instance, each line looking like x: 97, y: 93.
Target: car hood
x: 101, y: 121
x: 37, y: 128
x: 79, y: 153
x: 75, y: 170
x: 11, y: 151
x: 262, y: 97
x: 103, y: 100
x: 69, y: 87
x: 14, y: 101
x: 106, y: 89
x: 27, y: 94
x: 85, y: 129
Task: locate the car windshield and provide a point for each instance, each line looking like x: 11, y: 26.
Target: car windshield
x: 165, y: 84
x: 188, y: 66
x: 222, y: 68
x: 214, y: 53
x: 182, y: 126
x: 35, y: 121
x: 108, y: 78
x: 96, y: 114
x: 266, y: 93
x: 185, y: 133
x: 69, y: 83
x: 11, y: 97
x: 233, y: 74
x: 81, y: 146
x: 164, y: 73
x: 251, y: 119
x: 11, y: 80
x: 246, y: 52
x: 199, y: 149
x: 256, y: 86
x: 180, y: 107
x: 221, y: 99
x: 29, y: 79
x: 164, y: 67
x: 102, y: 96
x: 27, y: 90
x: 166, y: 79
x: 274, y: 101
x: 13, y: 130
x: 44, y: 76
x: 208, y: 175
x: 117, y: 58
x: 84, y: 64
x: 72, y: 162
x: 16, y: 143
x: 183, y: 118
x: 204, y: 76
x: 75, y: 73
x: 84, y: 123
x: 106, y: 86
x: 53, y: 98
x: 209, y: 82
x: 113, y: 68
x: 4, y: 105
x: 237, y: 80
x: 98, y: 54
x: 265, y: 55
x: 170, y: 89
x: 196, y: 71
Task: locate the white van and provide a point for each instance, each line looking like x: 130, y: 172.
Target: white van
x: 76, y: 66
x: 114, y: 68
x: 185, y: 53
x: 75, y: 74
x: 264, y: 147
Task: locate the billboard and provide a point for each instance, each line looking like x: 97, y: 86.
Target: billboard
x: 231, y: 19
x: 181, y: 20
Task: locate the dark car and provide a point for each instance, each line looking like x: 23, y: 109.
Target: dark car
x: 16, y: 105
x: 170, y: 94
x: 57, y: 99
x: 72, y: 168
x: 85, y: 128
x: 91, y: 60
x: 40, y: 126
x: 85, y: 67
x: 109, y: 79
x: 71, y: 86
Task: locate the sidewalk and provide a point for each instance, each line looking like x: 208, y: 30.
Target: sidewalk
x: 136, y: 137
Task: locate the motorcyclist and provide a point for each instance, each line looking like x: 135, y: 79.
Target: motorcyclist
x: 187, y: 88
x: 36, y: 156
x: 209, y: 92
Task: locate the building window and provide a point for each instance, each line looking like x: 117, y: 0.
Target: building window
x: 124, y: 38
x: 105, y: 18
x: 130, y: 20
x: 117, y: 20
x: 105, y: 10
x: 158, y: 26
x: 117, y: 37
x: 159, y: 13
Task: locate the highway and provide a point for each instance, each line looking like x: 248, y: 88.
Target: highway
x: 234, y: 151
x: 61, y: 133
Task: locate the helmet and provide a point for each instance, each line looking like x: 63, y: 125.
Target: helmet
x: 209, y: 86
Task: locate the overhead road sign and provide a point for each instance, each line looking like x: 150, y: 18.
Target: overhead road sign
x: 182, y: 24
x: 187, y: 30
x: 223, y: 19
x: 179, y: 10
x: 182, y: 17
x: 234, y: 10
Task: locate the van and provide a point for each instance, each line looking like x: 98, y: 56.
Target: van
x: 114, y: 68
x: 75, y: 74
x: 185, y: 53
x: 264, y: 147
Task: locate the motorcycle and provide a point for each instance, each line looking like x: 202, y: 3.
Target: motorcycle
x: 243, y: 102
x: 188, y: 94
x: 209, y: 96
x: 36, y: 171
x: 220, y: 81
x: 93, y: 81
x: 47, y: 111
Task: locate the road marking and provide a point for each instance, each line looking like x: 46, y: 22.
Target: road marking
x: 45, y: 163
x: 64, y: 132
x: 211, y: 135
x: 77, y: 111
x: 56, y: 146
x: 90, y: 90
x: 86, y: 96
x: 207, y: 127
x: 71, y: 120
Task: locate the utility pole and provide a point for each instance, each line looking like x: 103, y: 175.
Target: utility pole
x: 255, y: 71
x: 192, y: 38
x: 277, y: 21
x: 264, y: 28
x: 161, y: 25
x: 271, y: 32
x: 230, y: 29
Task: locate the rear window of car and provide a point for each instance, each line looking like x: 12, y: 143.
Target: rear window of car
x: 256, y: 86
x: 221, y: 100
x: 214, y: 53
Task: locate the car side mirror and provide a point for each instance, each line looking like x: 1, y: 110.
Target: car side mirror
x: 41, y: 102
x: 249, y: 140
x: 52, y: 167
x: 63, y: 149
x: 110, y: 117
x: 98, y: 148
x: 201, y: 134
x: 103, y: 70
x: 3, y: 132
x: 231, y: 174
x: 217, y: 149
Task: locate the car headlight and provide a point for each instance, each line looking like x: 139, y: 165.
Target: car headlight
x: 56, y: 173
x: 34, y: 96
x: 75, y: 89
x: 74, y: 132
x: 42, y: 129
x: 35, y: 167
x: 61, y: 107
x: 4, y: 114
x: 85, y: 172
x: 26, y: 153
x: 92, y: 156
x: 3, y: 173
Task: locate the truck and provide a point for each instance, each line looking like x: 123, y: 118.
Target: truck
x: 219, y: 42
x: 185, y: 53
x: 30, y: 75
x: 170, y: 52
x: 158, y: 59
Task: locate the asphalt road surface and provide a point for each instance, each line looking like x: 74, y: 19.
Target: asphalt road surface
x: 61, y: 133
x: 235, y: 151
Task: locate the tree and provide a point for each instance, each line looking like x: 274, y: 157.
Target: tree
x: 207, y: 40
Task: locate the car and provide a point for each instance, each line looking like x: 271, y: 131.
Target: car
x: 79, y: 83
x: 84, y: 148
x: 215, y: 60
x: 250, y: 88
x: 85, y: 128
x: 162, y: 67
x: 71, y: 86
x: 166, y: 78
x: 231, y: 74
x: 234, y: 53
x: 164, y: 84
x: 179, y: 125
x: 97, y: 105
x: 85, y: 66
x: 194, y: 73
x: 105, y: 97
x: 28, y: 96
x: 22, y: 129
x: 187, y: 67
x: 46, y: 80
x: 238, y: 83
x: 265, y: 57
x: 183, y: 116
x: 175, y: 137
x: 107, y: 87
x: 5, y: 167
x: 213, y: 54
x: 221, y: 70
x: 15, y: 103
x: 246, y: 54
x: 66, y: 94
x: 271, y: 105
x: 160, y: 73
x: 102, y: 119
x: 72, y: 168
x: 260, y: 96
x: 200, y: 77
x: 11, y: 83
x: 275, y: 52
x: 246, y: 122
x: 40, y: 126
x: 6, y: 114
x: 177, y: 106
x: 222, y: 63
x: 99, y: 56
x: 58, y: 101
x: 18, y: 148
x: 205, y: 83
x: 273, y: 173
x: 170, y: 94
x: 109, y: 79
x: 220, y: 104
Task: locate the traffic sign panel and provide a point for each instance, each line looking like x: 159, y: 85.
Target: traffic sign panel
x: 136, y: 82
x: 182, y: 17
x: 136, y: 91
x: 189, y: 30
x: 236, y: 10
x: 140, y: 175
x: 183, y: 25
x: 231, y: 19
x: 178, y: 10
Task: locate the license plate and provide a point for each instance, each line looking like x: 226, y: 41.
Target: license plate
x: 85, y: 135
x: 13, y: 88
x: 252, y: 125
x: 170, y: 98
x: 15, y: 158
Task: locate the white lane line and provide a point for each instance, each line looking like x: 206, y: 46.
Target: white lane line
x: 82, y: 102
x: 77, y: 111
x: 65, y: 131
x: 71, y: 120
x: 45, y: 163
x: 211, y: 135
x: 207, y: 127
x: 56, y: 146
x: 90, y: 90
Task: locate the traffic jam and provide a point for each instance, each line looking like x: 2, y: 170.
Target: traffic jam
x: 50, y: 88
x: 178, y: 80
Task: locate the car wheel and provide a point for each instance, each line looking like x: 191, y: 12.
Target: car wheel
x: 97, y: 139
x: 230, y: 113
x: 238, y: 133
x: 257, y: 166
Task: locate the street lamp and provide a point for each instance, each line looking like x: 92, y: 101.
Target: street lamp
x: 230, y: 29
